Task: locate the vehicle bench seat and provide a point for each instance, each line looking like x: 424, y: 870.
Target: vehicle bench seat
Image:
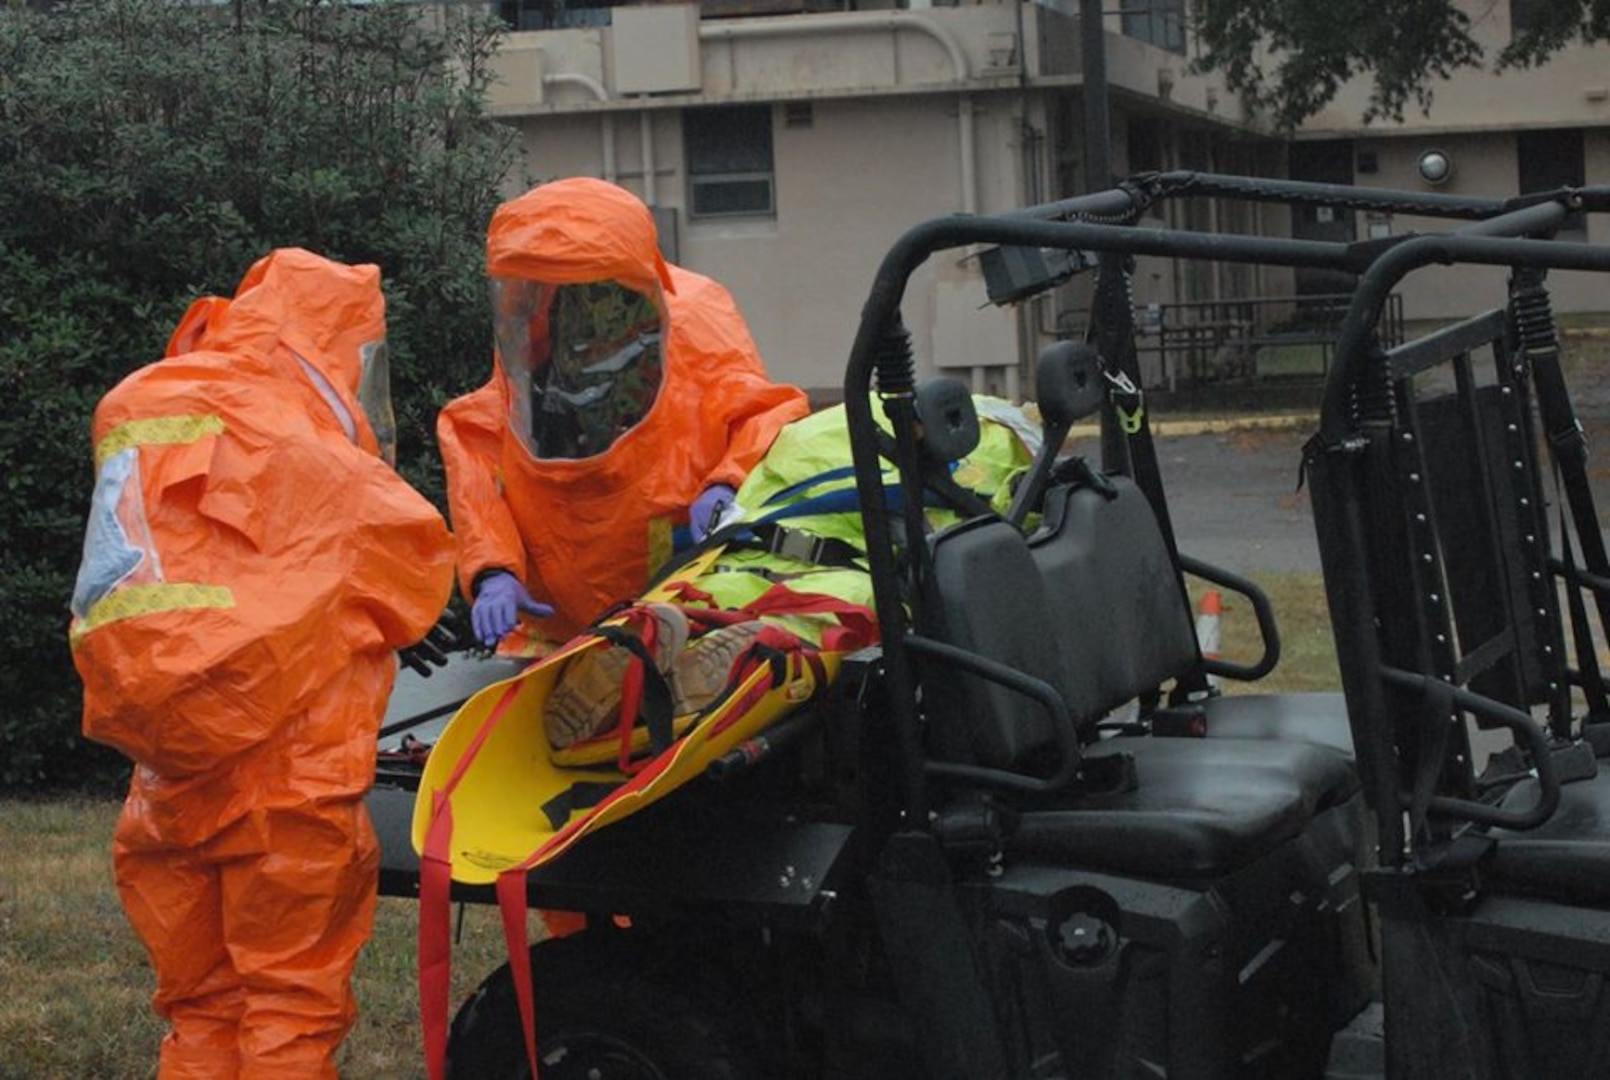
x: 1200, y: 807
x: 1567, y: 858
x: 1081, y: 619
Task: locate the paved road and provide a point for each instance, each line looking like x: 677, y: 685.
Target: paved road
x: 1234, y: 500
x: 1234, y: 497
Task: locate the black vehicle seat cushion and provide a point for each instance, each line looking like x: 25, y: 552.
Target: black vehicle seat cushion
x: 1567, y: 858
x: 1201, y: 807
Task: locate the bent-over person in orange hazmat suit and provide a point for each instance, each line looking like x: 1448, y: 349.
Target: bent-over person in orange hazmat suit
x: 626, y: 403
x: 251, y: 564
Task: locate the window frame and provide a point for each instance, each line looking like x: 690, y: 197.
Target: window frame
x: 699, y: 128
x: 1160, y: 23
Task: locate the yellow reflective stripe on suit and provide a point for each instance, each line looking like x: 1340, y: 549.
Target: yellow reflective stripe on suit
x: 157, y: 431
x: 132, y: 600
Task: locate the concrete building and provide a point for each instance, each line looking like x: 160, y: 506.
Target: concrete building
x: 1486, y: 134
x: 785, y: 144
x: 785, y: 147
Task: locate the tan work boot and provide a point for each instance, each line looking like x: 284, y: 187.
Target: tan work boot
x: 702, y: 670
x: 586, y: 699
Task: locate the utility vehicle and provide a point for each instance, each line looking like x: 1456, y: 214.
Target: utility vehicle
x: 1024, y: 838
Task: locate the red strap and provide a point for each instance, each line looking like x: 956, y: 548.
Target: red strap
x: 435, y: 900
x: 858, y: 624
x: 484, y: 733
x: 512, y: 903
x: 631, y: 701
x: 855, y: 619
x: 685, y: 591
x: 648, y: 632
x: 435, y: 935
x: 753, y: 659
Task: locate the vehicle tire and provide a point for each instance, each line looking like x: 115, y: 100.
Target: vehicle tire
x: 602, y: 1013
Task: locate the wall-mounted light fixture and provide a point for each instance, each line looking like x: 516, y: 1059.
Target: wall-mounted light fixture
x: 1434, y: 167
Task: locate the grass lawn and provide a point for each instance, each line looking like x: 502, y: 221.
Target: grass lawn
x: 1300, y: 358
x: 77, y: 981
x: 1307, y: 649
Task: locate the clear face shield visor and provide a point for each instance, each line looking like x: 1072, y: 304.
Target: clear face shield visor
x: 583, y: 362
x: 374, y: 397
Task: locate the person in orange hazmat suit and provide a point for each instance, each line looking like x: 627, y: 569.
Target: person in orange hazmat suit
x: 251, y: 565
x: 626, y: 403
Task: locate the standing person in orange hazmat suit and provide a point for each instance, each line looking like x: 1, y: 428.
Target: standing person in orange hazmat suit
x: 626, y: 403
x: 251, y: 564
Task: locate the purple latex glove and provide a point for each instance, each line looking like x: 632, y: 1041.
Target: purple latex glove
x: 497, y: 607
x: 707, y: 510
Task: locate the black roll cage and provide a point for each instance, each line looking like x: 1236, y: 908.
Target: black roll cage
x: 1500, y: 232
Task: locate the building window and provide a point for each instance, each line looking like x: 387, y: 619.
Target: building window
x: 1548, y: 160
x: 553, y: 14
x: 729, y: 159
x: 1161, y: 22
x: 797, y: 114
x: 1522, y: 13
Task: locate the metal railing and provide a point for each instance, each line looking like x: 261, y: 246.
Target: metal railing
x: 1193, y: 343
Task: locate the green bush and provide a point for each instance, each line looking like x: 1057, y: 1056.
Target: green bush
x: 150, y: 150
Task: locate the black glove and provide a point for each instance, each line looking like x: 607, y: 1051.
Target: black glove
x: 432, y: 649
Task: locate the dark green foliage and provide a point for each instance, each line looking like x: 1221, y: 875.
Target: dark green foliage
x: 150, y: 151
x: 1289, y: 57
x: 1551, y: 25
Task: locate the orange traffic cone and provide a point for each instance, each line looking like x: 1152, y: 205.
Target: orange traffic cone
x: 1208, y: 613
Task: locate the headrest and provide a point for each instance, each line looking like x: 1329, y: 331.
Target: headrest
x: 947, y: 419
x: 1068, y: 382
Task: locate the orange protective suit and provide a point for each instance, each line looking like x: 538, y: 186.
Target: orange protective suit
x: 583, y: 533
x: 251, y: 565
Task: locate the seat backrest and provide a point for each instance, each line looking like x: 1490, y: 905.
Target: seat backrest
x: 985, y: 595
x: 1091, y: 604
x: 1123, y: 620
x: 1486, y: 520
x: 1437, y: 559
